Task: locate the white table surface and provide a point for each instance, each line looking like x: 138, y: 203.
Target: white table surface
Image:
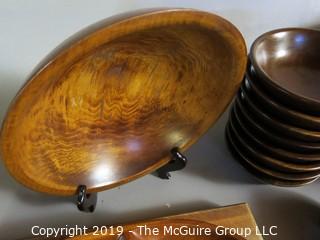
x: 31, y: 29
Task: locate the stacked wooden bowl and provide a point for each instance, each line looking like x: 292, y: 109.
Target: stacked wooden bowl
x: 274, y: 124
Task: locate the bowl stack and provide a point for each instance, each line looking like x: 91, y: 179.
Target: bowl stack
x: 274, y: 124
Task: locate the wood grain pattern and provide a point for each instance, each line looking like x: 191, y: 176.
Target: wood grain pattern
x: 109, y: 105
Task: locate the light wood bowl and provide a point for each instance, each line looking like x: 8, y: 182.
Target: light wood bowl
x: 108, y: 105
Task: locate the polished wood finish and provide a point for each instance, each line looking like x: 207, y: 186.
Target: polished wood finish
x: 257, y: 160
x: 287, y: 62
x: 281, y: 127
x: 270, y: 105
x: 273, y: 128
x: 109, y: 105
x: 272, y: 136
x: 261, y: 173
x: 235, y: 216
x: 273, y: 157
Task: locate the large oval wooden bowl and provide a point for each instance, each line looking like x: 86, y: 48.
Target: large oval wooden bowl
x: 110, y: 104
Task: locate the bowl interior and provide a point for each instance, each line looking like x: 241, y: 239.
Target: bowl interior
x: 108, y: 116
x: 290, y: 58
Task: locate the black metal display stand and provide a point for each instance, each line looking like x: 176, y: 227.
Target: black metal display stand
x: 87, y: 202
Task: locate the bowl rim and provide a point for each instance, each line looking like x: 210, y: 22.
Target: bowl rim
x: 311, y: 102
x: 276, y: 105
x: 293, y: 131
x: 289, y: 143
x: 313, y: 160
x: 260, y: 170
x: 263, y: 158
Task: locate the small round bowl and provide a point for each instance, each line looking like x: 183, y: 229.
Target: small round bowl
x: 288, y: 63
x: 292, y: 116
x: 279, y: 126
x: 258, y: 159
x: 270, y: 135
x: 257, y: 171
x: 272, y: 156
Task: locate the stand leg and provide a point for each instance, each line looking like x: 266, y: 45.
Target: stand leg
x: 178, y: 162
x: 86, y: 202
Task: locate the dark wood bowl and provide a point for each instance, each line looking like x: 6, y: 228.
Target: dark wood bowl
x: 288, y: 63
x: 270, y: 105
x: 272, y: 156
x: 261, y: 162
x: 264, y: 132
x: 278, y: 125
x: 260, y: 173
x: 108, y: 106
